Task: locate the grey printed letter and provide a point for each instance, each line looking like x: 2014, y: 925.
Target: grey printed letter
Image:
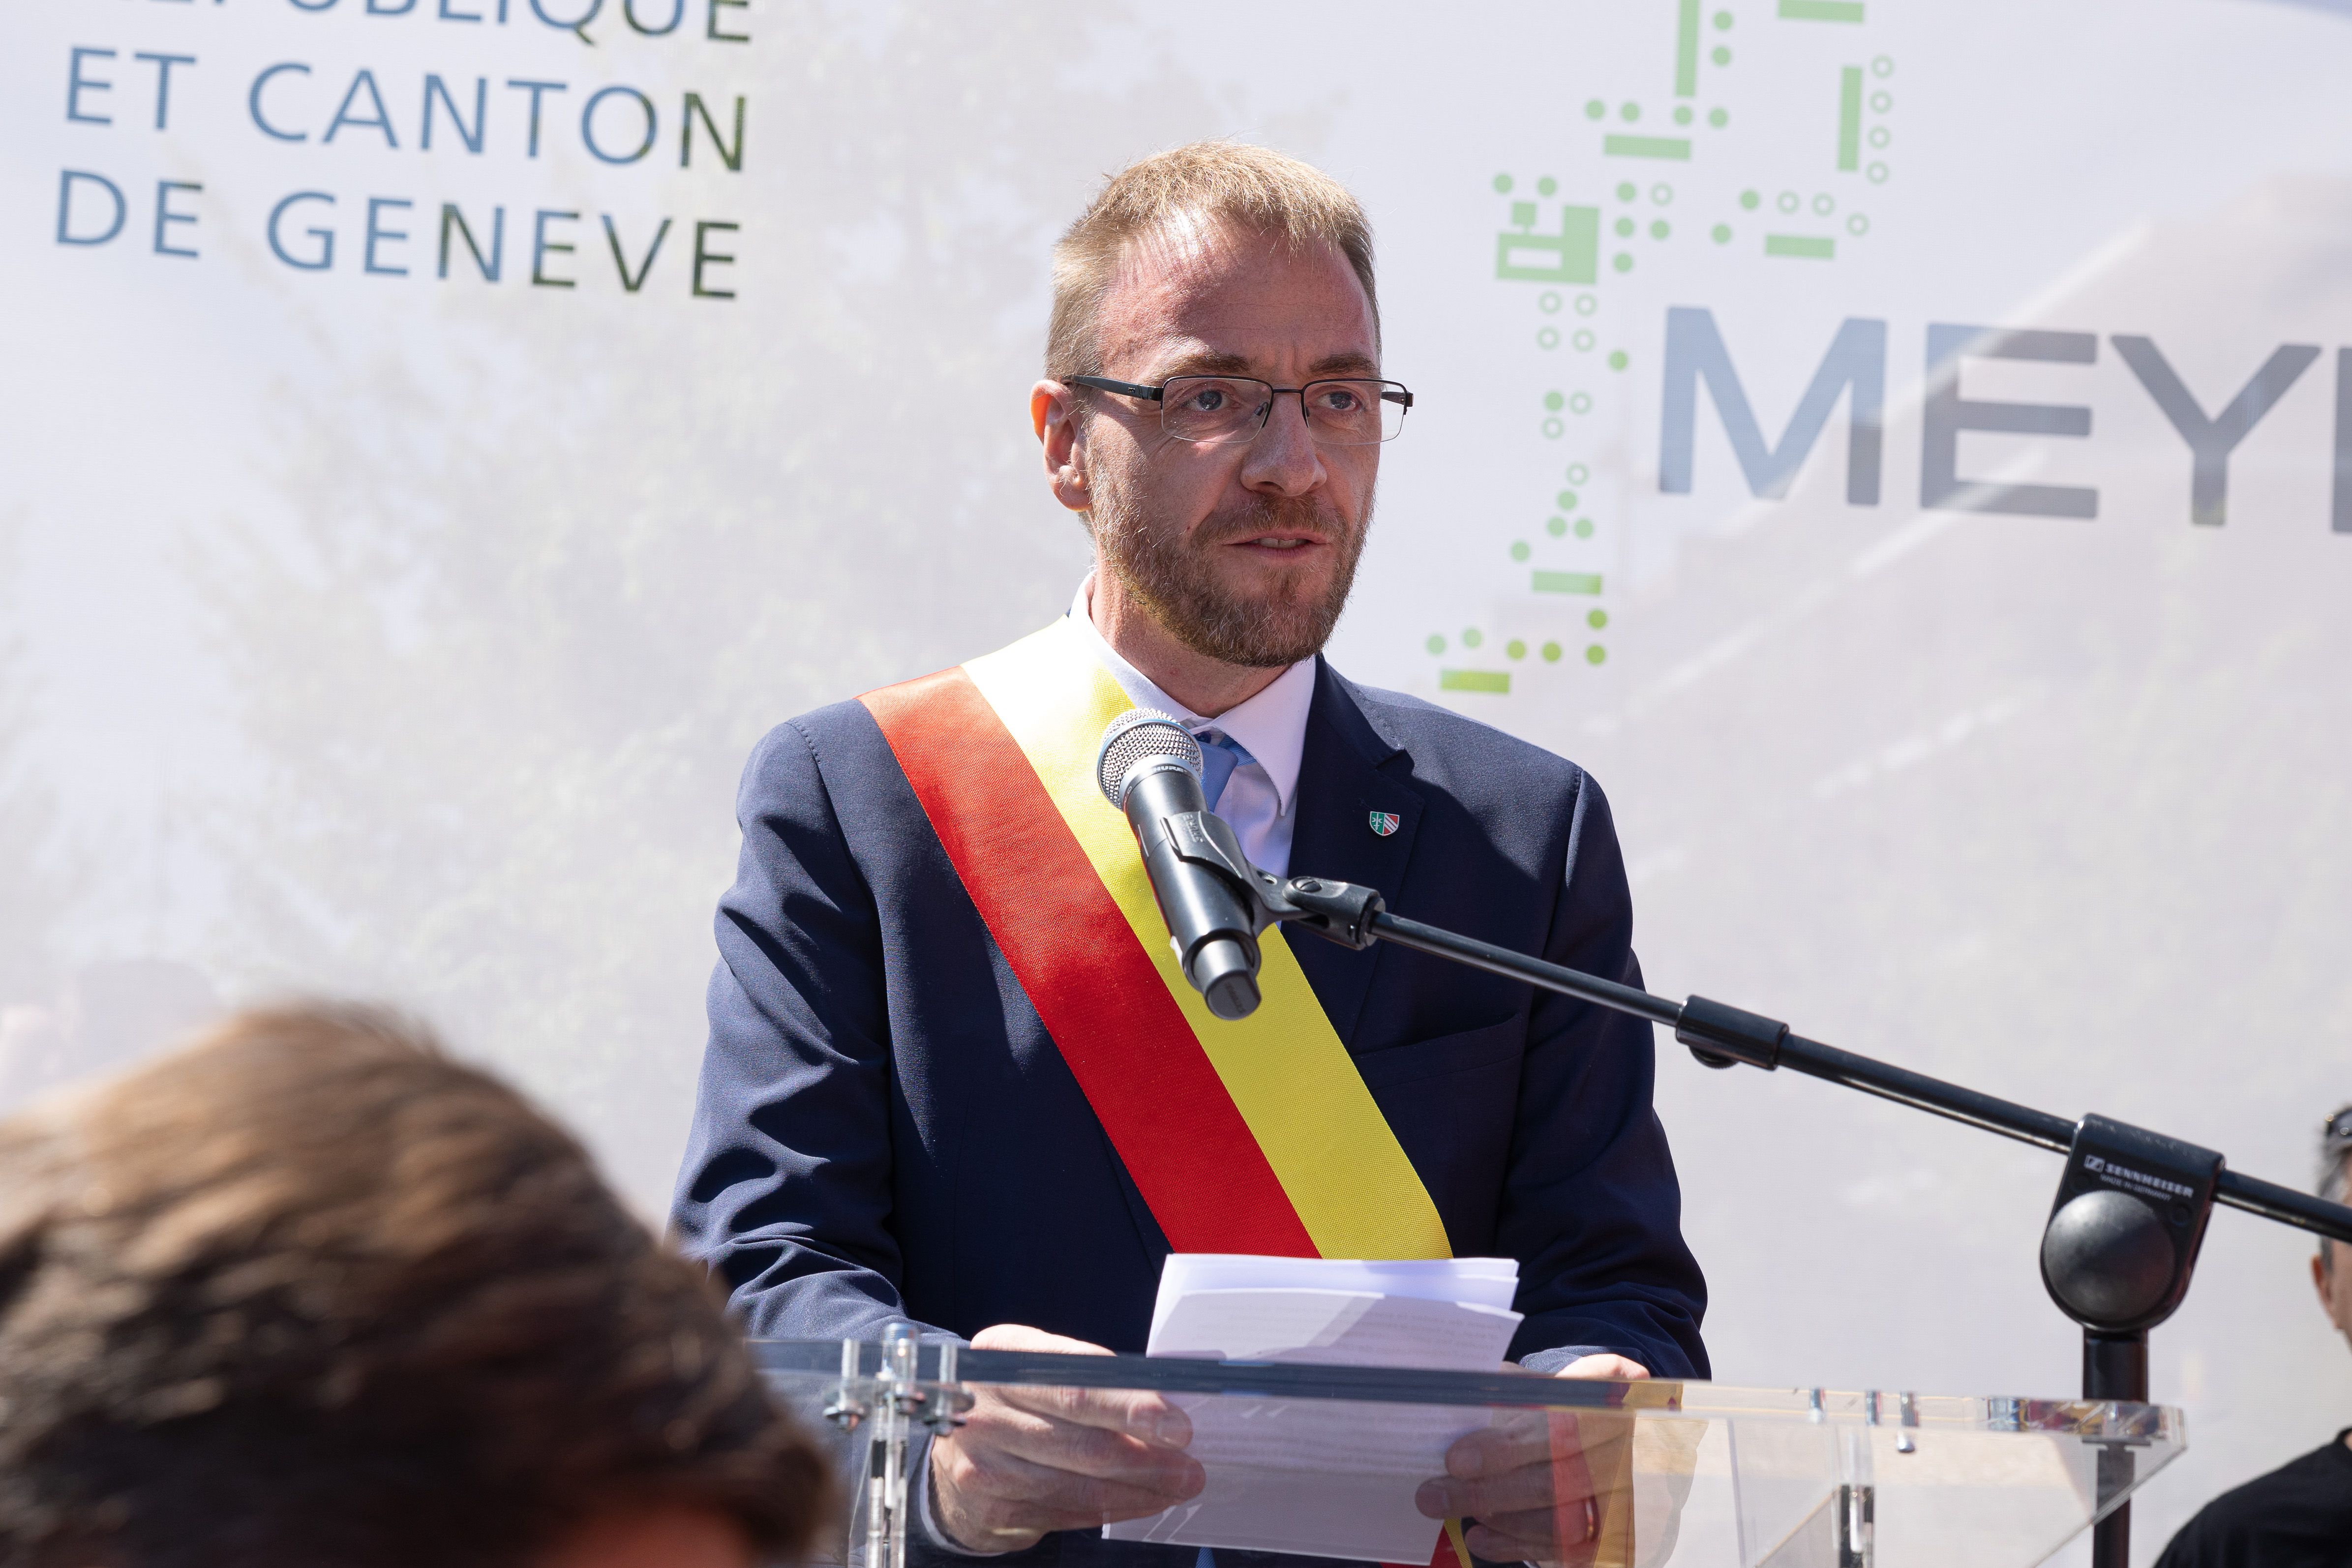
x: 1946, y: 414
x: 1856, y: 359
x: 2211, y: 441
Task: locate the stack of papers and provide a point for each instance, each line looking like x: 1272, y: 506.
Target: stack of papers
x: 1318, y: 1476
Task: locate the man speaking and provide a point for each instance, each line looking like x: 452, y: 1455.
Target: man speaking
x: 955, y: 1076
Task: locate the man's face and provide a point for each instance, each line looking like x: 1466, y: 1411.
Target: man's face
x: 1244, y: 553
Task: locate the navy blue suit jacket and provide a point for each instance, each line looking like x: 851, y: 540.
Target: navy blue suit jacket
x: 885, y: 1131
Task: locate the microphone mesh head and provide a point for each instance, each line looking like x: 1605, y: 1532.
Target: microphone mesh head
x: 1134, y: 736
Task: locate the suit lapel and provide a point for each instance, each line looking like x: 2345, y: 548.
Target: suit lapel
x: 1340, y: 786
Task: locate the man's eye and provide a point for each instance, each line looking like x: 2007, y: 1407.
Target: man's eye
x: 1340, y: 400
x: 1207, y: 400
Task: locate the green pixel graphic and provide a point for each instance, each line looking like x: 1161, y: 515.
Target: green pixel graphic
x: 1673, y: 147
x: 1572, y: 256
x: 1850, y: 118
x: 1608, y: 229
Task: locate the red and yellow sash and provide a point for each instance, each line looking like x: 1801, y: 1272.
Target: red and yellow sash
x: 1257, y: 1136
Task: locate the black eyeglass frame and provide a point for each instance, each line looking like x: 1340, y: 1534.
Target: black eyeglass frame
x: 2338, y: 1128
x: 1393, y: 391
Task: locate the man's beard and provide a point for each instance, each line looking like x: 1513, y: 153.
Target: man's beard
x: 1169, y: 576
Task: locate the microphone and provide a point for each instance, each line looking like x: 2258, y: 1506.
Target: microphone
x: 1149, y: 767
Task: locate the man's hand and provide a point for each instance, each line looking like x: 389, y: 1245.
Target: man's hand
x: 1535, y: 1481
x: 1028, y: 1460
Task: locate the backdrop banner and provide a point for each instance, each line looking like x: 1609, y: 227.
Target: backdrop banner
x: 1903, y: 450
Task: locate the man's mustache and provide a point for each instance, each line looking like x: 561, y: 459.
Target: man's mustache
x: 1284, y: 514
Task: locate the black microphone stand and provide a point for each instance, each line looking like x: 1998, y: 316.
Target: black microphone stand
x: 2132, y: 1205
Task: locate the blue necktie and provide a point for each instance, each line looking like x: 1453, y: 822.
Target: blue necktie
x: 1220, y: 755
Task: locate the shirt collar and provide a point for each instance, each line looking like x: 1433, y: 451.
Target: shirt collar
x: 1270, y: 726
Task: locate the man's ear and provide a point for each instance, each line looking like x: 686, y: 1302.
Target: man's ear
x: 1060, y: 425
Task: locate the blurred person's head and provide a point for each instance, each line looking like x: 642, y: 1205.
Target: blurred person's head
x: 2331, y: 1271
x: 308, y: 1292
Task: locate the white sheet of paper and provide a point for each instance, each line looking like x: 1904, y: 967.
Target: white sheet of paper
x: 1315, y: 1477
x: 1490, y: 1281
x: 1341, y: 1327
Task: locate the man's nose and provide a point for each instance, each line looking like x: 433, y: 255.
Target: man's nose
x: 1284, y: 459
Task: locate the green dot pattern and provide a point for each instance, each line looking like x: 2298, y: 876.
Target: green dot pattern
x: 1552, y: 400
x: 1556, y: 527
x: 1594, y: 109
x: 1521, y: 550
x: 1596, y: 654
x: 1583, y: 528
x: 1749, y: 200
x: 1625, y: 191
x: 1623, y: 262
x: 1722, y: 232
x: 1566, y: 500
x: 1435, y: 644
x: 1617, y: 360
x: 1718, y: 117
x: 1502, y: 184
x: 1547, y: 185
x: 1516, y: 648
x: 1551, y: 653
x: 1722, y: 56
x: 1472, y: 638
x: 1597, y: 619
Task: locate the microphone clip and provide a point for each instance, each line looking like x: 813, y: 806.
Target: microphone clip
x: 1203, y: 838
x: 1338, y: 911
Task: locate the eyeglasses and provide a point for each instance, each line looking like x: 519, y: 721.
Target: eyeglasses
x: 2338, y: 1128
x: 1220, y: 410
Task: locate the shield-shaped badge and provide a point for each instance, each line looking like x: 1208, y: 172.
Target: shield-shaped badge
x: 1384, y: 823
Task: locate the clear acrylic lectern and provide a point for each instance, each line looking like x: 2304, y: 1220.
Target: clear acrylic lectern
x: 1326, y: 1460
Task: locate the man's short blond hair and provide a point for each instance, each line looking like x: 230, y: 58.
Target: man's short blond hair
x: 1205, y: 183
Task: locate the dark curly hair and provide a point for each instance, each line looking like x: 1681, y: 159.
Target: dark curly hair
x: 309, y: 1292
